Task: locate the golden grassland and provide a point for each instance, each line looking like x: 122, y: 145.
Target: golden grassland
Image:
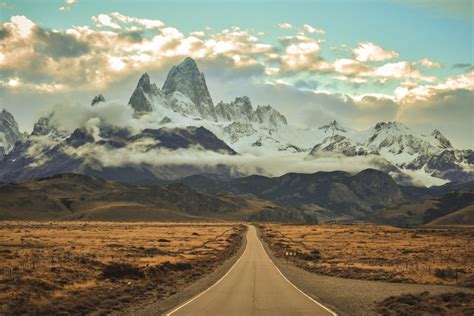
x: 83, y: 267
x: 376, y: 252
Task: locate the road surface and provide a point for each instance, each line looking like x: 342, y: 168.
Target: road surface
x: 253, y: 286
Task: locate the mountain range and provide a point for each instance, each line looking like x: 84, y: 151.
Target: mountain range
x: 370, y: 195
x: 177, y: 131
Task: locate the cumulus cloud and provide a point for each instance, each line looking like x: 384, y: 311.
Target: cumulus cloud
x: 308, y: 28
x: 427, y: 63
x: 24, y: 26
x: 87, y: 58
x: 400, y: 70
x: 118, y: 47
x: 104, y: 20
x: 368, y: 51
x: 114, y: 20
x: 285, y: 26
x: 350, y: 67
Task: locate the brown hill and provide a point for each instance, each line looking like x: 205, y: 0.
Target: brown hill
x: 453, y: 208
x: 74, y: 197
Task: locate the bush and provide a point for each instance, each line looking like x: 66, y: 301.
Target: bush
x: 122, y: 271
x: 170, y: 267
x: 447, y: 273
x: 313, y: 255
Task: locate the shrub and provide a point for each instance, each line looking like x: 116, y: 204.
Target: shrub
x: 313, y: 255
x: 170, y: 267
x: 447, y: 273
x: 117, y: 270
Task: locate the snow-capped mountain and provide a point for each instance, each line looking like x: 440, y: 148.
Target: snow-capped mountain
x: 333, y: 127
x: 177, y: 131
x: 186, y: 80
x: 405, y: 149
x: 9, y: 132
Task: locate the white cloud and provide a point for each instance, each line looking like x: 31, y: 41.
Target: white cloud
x: 308, y: 28
x: 105, y: 20
x: 147, y: 23
x: 400, y: 70
x: 67, y: 5
x: 414, y: 93
x: 285, y: 26
x: 23, y: 24
x: 369, y: 51
x: 350, y: 67
x: 425, y: 62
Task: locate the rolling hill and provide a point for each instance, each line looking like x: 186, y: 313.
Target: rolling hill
x: 80, y: 197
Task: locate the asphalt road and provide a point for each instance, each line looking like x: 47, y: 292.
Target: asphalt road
x: 252, y: 286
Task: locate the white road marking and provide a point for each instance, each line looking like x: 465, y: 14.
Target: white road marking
x: 284, y: 277
x: 209, y: 288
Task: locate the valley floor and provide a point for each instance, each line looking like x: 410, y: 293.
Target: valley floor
x: 151, y: 268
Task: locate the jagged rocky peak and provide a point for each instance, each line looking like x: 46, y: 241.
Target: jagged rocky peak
x: 48, y: 126
x: 443, y: 141
x: 79, y: 137
x: 266, y: 114
x: 332, y: 127
x: 389, y: 125
x: 97, y: 99
x: 142, y: 98
x: 165, y: 120
x: 240, y: 109
x: 145, y: 84
x: 189, y: 81
x: 43, y: 126
x: 9, y: 131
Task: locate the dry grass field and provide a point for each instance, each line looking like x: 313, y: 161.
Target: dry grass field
x: 83, y: 267
x: 375, y: 252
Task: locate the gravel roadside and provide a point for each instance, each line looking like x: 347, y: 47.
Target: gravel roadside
x: 350, y: 296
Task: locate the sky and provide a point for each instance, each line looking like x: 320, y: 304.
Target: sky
x: 359, y: 62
